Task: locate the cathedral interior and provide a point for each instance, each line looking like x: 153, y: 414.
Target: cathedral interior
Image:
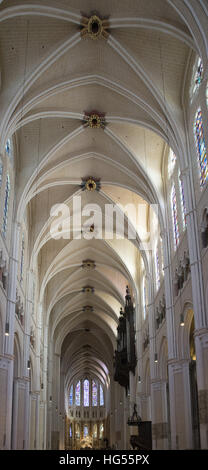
x: 103, y: 224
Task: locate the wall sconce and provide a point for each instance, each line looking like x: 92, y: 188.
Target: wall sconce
x: 181, y: 320
x: 28, y: 364
x: 156, y: 359
x: 7, y: 329
x: 139, y: 379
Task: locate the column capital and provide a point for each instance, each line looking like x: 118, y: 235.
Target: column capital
x: 157, y: 383
x: 178, y: 363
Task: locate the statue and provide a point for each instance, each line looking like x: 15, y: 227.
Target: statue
x: 4, y: 277
x: 176, y: 283
x: 204, y: 229
x: 163, y: 303
x: 186, y: 266
x: 3, y: 271
x: 157, y: 317
x: 128, y: 296
x: 32, y: 337
x: 180, y: 276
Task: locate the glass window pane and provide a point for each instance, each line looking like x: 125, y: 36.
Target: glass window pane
x: 94, y: 393
x: 200, y: 147
x: 71, y: 396
x: 85, y: 430
x: 175, y: 217
x: 77, y: 394
x: 86, y: 393
x: 101, y: 396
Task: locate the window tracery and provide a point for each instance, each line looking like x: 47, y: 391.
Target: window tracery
x: 183, y: 206
x: 201, y: 147
x: 71, y: 395
x: 22, y: 258
x: 6, y: 206
x: 86, y: 392
x: 157, y: 268
x: 197, y: 76
x: 101, y: 396
x: 94, y: 394
x: 78, y: 394
x: 174, y: 216
x: 8, y: 147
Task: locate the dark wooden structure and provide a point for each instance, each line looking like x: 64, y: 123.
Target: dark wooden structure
x: 125, y: 355
x: 141, y: 438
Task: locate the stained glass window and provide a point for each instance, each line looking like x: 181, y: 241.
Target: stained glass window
x: 174, y: 216
x: 78, y: 394
x: 70, y: 431
x: 171, y: 162
x: 198, y: 75
x: 1, y: 173
x: 157, y: 268
x: 71, y: 396
x: 101, y: 396
x: 86, y: 431
x: 183, y: 207
x: 86, y: 392
x: 94, y: 394
x: 22, y: 258
x: 6, y: 207
x: 8, y: 147
x: 200, y: 147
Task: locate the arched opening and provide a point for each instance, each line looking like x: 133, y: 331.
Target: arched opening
x: 204, y: 229
x: 15, y: 394
x: 194, y: 389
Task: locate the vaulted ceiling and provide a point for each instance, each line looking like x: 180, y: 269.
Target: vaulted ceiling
x: 50, y: 78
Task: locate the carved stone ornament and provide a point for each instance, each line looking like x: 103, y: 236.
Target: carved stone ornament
x: 94, y: 27
x: 94, y: 120
x: 87, y: 308
x: 90, y: 184
x: 88, y: 290
x: 88, y: 264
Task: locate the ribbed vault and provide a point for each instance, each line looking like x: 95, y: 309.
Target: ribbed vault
x: 53, y: 78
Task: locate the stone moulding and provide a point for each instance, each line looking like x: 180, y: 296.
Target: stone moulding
x: 94, y: 28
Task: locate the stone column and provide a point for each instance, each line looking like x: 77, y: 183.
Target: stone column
x: 112, y: 411
x: 15, y: 414
x: 180, y: 405
x: 144, y: 409
x: 199, y: 304
x: 201, y: 344
x: 9, y: 340
x: 56, y: 401
x: 159, y: 415
x: 20, y: 422
x: 62, y: 411
x: 34, y: 417
x: 170, y: 315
